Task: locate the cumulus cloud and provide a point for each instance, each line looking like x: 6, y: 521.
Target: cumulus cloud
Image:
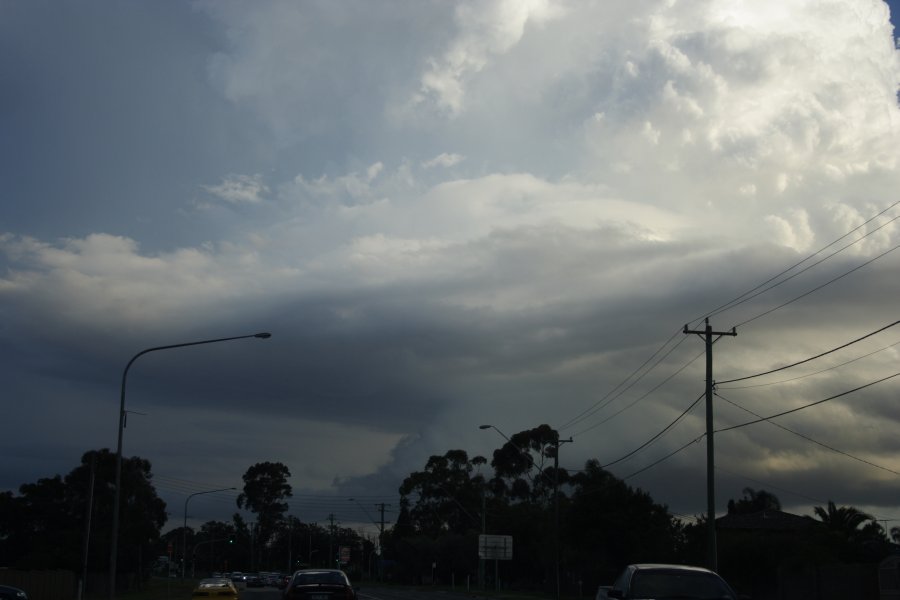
x: 617, y: 169
x: 443, y: 160
x: 239, y: 189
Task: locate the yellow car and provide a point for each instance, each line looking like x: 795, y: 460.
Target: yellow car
x: 215, y: 588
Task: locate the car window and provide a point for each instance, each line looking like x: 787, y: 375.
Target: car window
x: 320, y: 577
x: 682, y: 584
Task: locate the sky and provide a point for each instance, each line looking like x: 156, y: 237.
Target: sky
x: 451, y: 214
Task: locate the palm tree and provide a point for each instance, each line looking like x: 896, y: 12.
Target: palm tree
x: 844, y: 520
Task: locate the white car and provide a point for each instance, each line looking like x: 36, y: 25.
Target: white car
x: 652, y: 581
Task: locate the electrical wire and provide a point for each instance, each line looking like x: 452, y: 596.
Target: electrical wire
x: 746, y: 296
x: 611, y: 395
x: 838, y: 366
x: 793, y: 410
x: 811, y: 358
x: 666, y: 457
x: 819, y: 287
x: 807, y: 438
x: 639, y: 398
x: 658, y: 435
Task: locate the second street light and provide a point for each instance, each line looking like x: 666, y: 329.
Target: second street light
x: 114, y: 543
x: 184, y: 529
x: 555, y: 446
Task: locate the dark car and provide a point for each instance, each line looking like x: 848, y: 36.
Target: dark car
x: 658, y: 582
x: 319, y: 584
x: 11, y: 593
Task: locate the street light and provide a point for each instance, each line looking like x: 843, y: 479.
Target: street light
x: 556, y: 446
x: 184, y: 529
x: 114, y: 545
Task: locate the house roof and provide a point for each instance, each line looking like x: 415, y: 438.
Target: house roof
x: 772, y: 520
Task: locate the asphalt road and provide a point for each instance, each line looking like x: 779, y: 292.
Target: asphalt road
x: 373, y: 593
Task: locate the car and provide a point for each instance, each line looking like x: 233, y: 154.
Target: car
x: 660, y: 581
x: 12, y: 593
x: 218, y: 587
x: 319, y: 584
x: 239, y: 580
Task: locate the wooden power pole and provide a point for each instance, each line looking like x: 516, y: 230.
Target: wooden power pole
x: 707, y: 334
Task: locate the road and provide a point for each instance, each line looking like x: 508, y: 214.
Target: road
x: 364, y: 593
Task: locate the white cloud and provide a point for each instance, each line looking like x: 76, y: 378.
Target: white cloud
x: 443, y: 160
x: 240, y: 189
x: 617, y: 167
x: 486, y: 29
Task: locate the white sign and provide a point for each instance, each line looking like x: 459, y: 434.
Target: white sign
x: 495, y: 547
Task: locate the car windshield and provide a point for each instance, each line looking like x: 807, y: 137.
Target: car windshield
x: 213, y: 583
x: 319, y: 577
x: 659, y: 584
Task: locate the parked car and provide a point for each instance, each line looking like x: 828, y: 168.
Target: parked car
x: 219, y: 588
x: 659, y: 581
x: 239, y: 580
x: 12, y: 593
x: 283, y: 581
x: 319, y: 584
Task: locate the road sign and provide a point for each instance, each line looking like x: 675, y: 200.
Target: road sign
x: 495, y: 547
x: 345, y: 554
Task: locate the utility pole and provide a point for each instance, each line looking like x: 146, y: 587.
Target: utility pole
x: 331, y: 560
x: 556, y: 506
x: 707, y: 334
x: 381, y: 507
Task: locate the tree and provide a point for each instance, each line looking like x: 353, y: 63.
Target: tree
x: 754, y: 501
x: 265, y: 491
x: 612, y: 524
x: 844, y: 520
x: 520, y: 465
x: 449, y: 497
x: 43, y: 527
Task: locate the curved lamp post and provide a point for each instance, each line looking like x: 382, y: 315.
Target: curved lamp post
x: 184, y: 529
x: 555, y: 491
x: 114, y: 545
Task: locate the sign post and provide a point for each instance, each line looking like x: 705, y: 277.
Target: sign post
x: 497, y: 548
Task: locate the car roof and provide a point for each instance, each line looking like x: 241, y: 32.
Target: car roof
x: 668, y: 567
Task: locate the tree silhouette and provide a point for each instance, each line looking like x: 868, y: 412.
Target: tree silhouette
x: 754, y: 501
x: 844, y: 520
x: 265, y: 489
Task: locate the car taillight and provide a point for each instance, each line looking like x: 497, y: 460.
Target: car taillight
x: 350, y: 594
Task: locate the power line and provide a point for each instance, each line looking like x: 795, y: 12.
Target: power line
x: 746, y: 296
x: 811, y: 358
x: 666, y: 457
x: 639, y: 398
x: 817, y: 288
x: 838, y: 366
x: 658, y: 435
x: 793, y: 410
x: 612, y: 395
x: 807, y: 438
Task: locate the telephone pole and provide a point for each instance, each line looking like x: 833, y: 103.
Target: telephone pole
x: 707, y: 334
x: 381, y: 507
x: 331, y: 560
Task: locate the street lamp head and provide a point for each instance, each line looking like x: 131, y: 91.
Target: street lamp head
x: 264, y: 335
x: 485, y: 426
